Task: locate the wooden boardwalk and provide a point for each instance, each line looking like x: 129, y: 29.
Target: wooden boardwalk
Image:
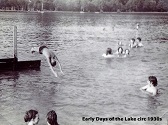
x: 25, y: 61
x: 13, y: 64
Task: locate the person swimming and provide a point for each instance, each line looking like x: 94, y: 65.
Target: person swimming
x: 126, y: 53
x: 120, y: 43
x: 133, y: 43
x: 109, y: 51
x: 31, y: 117
x: 120, y: 50
x: 151, y: 86
x: 108, y: 54
x: 137, y: 26
x: 139, y: 44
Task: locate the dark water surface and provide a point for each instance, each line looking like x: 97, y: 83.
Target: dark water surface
x: 92, y: 86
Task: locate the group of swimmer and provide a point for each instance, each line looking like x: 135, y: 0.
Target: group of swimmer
x: 150, y: 88
x: 32, y: 117
x: 120, y: 51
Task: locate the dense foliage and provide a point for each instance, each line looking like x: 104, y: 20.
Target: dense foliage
x: 86, y: 5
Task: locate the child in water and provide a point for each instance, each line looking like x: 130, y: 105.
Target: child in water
x: 137, y: 26
x: 119, y: 50
x: 151, y: 86
x: 127, y: 51
x: 109, y: 51
x: 139, y: 44
x: 108, y: 54
x: 133, y: 43
x: 120, y: 43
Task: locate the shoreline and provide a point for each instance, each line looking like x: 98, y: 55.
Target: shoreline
x: 23, y: 11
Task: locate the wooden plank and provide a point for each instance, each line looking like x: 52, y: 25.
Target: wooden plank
x: 20, y: 65
x: 34, y: 64
x: 6, y: 60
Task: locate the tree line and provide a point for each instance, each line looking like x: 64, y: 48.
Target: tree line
x: 86, y: 5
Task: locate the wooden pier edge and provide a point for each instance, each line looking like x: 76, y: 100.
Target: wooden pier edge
x: 13, y: 63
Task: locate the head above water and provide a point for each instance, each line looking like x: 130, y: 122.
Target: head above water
x: 52, y: 118
x: 120, y: 50
x: 127, y: 51
x: 133, y: 40
x: 153, y: 80
x: 108, y: 51
x: 32, y: 116
x: 139, y: 39
x: 137, y: 25
x: 120, y: 43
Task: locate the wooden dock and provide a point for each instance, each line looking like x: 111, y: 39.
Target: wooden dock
x: 14, y: 63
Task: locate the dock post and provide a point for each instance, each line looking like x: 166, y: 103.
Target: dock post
x: 15, y: 47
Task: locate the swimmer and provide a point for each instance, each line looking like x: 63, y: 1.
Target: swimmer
x: 51, y: 118
x: 31, y: 117
x: 119, y: 51
x: 137, y: 27
x: 109, y: 51
x: 127, y: 51
x: 108, y: 54
x: 120, y: 43
x: 133, y: 44
x: 151, y: 86
x: 50, y: 56
x: 139, y: 44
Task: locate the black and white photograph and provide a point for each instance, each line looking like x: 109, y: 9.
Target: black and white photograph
x: 83, y: 62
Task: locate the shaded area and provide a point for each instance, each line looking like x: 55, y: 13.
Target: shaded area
x: 86, y: 5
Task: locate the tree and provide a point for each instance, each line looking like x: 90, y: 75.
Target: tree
x: 149, y: 5
x: 2, y: 4
x: 123, y: 1
x: 133, y: 5
x: 161, y: 6
x: 86, y: 5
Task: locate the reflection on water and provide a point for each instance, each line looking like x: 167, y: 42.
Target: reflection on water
x: 92, y: 86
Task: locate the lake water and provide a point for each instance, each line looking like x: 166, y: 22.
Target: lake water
x: 92, y: 85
